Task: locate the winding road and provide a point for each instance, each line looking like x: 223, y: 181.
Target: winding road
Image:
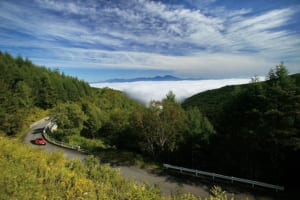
x: 36, y: 132
x: 168, y: 184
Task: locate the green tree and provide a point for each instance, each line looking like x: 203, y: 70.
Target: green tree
x: 162, y: 126
x: 174, y: 123
x: 115, y: 127
x: 94, y: 122
x: 25, y: 94
x: 199, y: 126
x: 279, y: 76
x: 69, y: 117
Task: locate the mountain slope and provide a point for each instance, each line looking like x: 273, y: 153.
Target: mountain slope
x: 211, y: 102
x: 257, y: 125
x: 25, y: 87
x: 156, y: 78
x: 30, y: 173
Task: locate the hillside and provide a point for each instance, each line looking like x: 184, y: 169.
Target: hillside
x: 257, y: 127
x: 25, y: 87
x: 211, y: 102
x: 31, y: 173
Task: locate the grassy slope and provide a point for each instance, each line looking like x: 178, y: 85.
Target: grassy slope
x: 30, y: 173
x: 33, y: 174
x: 211, y: 102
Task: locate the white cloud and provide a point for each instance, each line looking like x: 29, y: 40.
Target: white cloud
x: 213, y: 65
x: 258, y: 33
x: 145, y: 91
x: 265, y: 21
x: 68, y: 7
x: 144, y: 34
x: 141, y: 23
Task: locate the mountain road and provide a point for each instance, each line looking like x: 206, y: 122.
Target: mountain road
x: 168, y: 184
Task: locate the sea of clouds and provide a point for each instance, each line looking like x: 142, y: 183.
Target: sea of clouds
x: 145, y: 91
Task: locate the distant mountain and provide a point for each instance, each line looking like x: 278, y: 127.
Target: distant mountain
x: 156, y: 78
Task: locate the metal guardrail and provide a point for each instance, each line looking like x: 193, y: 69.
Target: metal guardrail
x: 231, y: 178
x: 60, y: 143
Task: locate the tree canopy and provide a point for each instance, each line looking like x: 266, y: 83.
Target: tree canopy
x: 257, y: 127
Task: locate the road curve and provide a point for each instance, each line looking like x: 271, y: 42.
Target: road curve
x: 168, y: 184
x: 36, y: 132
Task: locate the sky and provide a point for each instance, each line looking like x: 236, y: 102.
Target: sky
x: 96, y: 40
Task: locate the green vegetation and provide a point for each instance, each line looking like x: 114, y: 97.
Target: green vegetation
x: 30, y: 173
x: 162, y: 129
x: 95, y: 119
x: 26, y: 91
x: 27, y: 173
x: 250, y: 130
x: 257, y: 127
x: 100, y: 120
x: 24, y: 87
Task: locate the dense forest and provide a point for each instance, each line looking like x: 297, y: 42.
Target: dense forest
x: 250, y: 131
x: 257, y: 126
x: 24, y: 87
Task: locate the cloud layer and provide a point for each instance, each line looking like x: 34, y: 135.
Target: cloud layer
x: 188, y: 37
x: 145, y: 91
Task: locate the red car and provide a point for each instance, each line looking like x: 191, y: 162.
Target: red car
x: 40, y: 141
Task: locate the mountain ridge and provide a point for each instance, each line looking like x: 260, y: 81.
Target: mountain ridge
x: 155, y: 78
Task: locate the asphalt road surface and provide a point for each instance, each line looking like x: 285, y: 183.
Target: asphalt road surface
x: 36, y: 132
x: 168, y: 184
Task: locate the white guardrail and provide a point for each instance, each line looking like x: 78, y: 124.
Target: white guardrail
x: 231, y: 178
x: 57, y: 142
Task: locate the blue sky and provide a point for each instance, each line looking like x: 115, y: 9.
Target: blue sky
x: 103, y: 39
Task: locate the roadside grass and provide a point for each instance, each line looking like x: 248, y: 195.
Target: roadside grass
x: 90, y: 145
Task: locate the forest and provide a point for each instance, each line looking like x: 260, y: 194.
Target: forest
x: 250, y: 131
x: 257, y: 126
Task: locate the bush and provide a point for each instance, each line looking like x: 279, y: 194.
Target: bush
x: 91, y: 145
